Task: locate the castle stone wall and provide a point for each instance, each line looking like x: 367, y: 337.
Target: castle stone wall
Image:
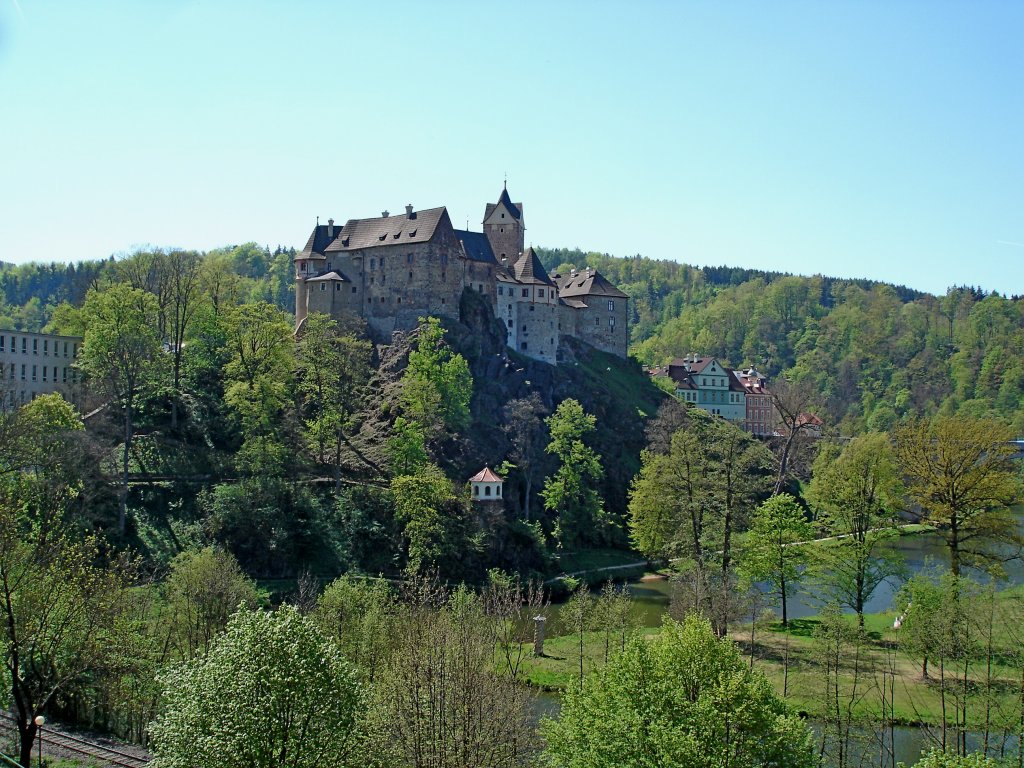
x: 602, y: 324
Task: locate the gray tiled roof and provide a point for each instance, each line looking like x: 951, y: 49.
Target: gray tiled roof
x: 512, y: 207
x: 528, y: 269
x: 476, y: 245
x: 318, y: 241
x: 335, y: 275
x: 587, y: 282
x: 391, y: 230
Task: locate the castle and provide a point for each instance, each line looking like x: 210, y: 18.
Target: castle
x: 392, y: 270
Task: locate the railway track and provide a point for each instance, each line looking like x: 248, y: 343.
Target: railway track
x: 63, y: 745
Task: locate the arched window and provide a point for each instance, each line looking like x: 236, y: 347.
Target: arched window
x: 487, y: 490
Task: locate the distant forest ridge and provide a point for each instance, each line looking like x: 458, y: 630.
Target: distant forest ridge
x: 877, y: 353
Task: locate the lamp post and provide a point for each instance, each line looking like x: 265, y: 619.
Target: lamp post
x: 40, y: 721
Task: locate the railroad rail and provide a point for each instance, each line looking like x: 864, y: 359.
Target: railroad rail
x: 74, y: 747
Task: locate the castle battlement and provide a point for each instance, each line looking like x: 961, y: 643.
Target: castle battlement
x: 393, y: 269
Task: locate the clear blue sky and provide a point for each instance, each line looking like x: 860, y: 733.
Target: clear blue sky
x: 874, y: 139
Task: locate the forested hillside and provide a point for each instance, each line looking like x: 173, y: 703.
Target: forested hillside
x: 876, y: 353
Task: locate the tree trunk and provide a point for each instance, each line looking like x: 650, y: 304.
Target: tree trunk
x: 529, y: 490
x: 782, y: 593
x: 122, y: 502
x: 27, y: 734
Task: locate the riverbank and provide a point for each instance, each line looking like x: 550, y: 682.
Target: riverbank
x: 883, y: 683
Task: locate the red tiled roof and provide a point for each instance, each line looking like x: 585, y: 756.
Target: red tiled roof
x: 485, y: 475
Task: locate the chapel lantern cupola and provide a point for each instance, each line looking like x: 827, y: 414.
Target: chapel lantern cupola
x: 486, y: 485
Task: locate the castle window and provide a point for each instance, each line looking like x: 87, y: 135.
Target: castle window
x: 501, y: 292
x: 373, y: 263
x: 444, y: 276
x: 481, y: 288
x: 444, y: 301
x: 531, y: 307
x: 523, y: 345
x: 509, y: 323
x: 611, y: 306
x: 409, y: 258
x: 382, y: 262
x: 611, y: 321
x: 503, y: 216
x: 597, y: 321
x: 354, y: 289
x: 323, y: 286
x: 410, y: 275
x: 381, y: 299
x: 526, y: 292
x: 371, y: 281
x: 399, y: 300
x: 503, y: 229
x: 337, y: 286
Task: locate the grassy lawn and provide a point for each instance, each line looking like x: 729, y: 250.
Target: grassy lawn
x: 592, y: 559
x: 915, y: 699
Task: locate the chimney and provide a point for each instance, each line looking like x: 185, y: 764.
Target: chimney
x: 572, y: 273
x: 408, y: 211
x: 384, y: 214
x: 330, y: 227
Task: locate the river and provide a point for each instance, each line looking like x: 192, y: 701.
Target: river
x: 651, y: 601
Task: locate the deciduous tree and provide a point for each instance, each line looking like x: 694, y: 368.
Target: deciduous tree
x: 272, y: 692
x: 684, y: 699
x: 858, y: 493
x: 960, y: 471
x: 123, y: 359
x: 773, y: 551
x: 571, y: 492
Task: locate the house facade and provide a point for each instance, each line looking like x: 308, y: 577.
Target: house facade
x: 393, y: 269
x: 33, y: 364
x: 741, y: 397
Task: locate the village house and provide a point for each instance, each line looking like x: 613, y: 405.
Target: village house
x: 393, y: 269
x: 741, y: 397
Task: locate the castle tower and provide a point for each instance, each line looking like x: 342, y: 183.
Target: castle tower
x: 505, y: 228
x: 310, y: 262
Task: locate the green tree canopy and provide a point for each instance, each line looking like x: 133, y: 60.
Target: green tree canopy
x: 683, y: 699
x: 772, y: 551
x: 960, y: 470
x: 123, y: 358
x: 571, y: 492
x: 271, y: 693
x: 857, y: 493
x: 437, y: 385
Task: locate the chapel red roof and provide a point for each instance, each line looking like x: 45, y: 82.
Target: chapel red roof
x: 485, y: 475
